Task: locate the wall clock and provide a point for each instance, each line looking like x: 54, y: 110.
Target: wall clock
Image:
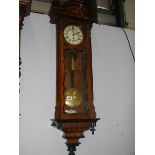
x: 74, y: 111
x: 24, y: 10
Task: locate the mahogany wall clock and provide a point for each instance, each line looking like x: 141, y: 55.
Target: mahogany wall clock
x: 74, y: 111
x: 24, y: 10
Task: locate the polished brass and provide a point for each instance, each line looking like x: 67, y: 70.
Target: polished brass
x: 73, y: 98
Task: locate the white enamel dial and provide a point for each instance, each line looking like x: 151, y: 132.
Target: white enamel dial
x: 73, y: 34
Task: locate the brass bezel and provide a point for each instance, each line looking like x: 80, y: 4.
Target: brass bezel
x: 79, y: 27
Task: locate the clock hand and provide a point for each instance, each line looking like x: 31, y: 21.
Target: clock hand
x: 73, y: 34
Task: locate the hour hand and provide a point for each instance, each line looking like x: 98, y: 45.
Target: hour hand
x: 73, y: 33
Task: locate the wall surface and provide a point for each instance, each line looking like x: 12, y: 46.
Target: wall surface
x: 113, y: 75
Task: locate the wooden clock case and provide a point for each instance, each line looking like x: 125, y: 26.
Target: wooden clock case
x: 73, y: 12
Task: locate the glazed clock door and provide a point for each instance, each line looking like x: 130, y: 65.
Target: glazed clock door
x: 75, y: 82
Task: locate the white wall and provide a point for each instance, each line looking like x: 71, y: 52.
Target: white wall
x: 113, y: 73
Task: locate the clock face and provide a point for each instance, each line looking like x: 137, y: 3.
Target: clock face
x: 73, y: 34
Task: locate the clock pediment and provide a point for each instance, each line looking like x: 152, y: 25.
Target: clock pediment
x: 76, y: 8
x: 72, y: 9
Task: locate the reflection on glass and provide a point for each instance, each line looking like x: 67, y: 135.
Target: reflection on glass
x: 75, y: 82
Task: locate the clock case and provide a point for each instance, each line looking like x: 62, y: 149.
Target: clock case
x: 73, y: 125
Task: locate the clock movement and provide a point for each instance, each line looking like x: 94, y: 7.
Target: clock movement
x: 74, y: 111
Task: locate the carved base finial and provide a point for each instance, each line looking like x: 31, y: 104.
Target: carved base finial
x: 71, y: 153
x: 72, y: 148
x: 73, y: 130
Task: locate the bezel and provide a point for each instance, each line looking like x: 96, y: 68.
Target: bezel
x: 70, y: 41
